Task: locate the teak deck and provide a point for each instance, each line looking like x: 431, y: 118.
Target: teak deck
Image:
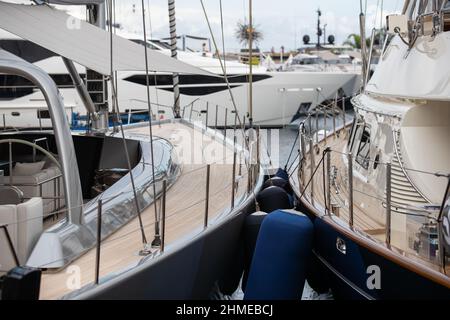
x: 185, y: 208
x: 368, y: 212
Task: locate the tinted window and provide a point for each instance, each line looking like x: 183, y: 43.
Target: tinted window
x: 149, y: 45
x: 26, y: 50
x: 447, y: 5
x: 362, y: 154
x: 12, y: 86
x: 352, y: 134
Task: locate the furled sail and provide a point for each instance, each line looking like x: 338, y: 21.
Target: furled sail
x: 82, y: 42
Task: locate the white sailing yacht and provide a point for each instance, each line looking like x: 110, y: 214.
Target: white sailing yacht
x: 81, y: 209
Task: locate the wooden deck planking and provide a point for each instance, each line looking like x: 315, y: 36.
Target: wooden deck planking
x: 362, y: 220
x: 185, y: 207
x: 369, y: 215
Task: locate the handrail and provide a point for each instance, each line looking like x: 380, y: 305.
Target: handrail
x: 99, y: 208
x: 206, y: 199
x: 36, y: 184
x: 433, y: 213
x: 395, y: 136
x: 34, y: 146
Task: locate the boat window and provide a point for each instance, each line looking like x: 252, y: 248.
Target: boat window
x: 307, y: 61
x: 446, y: 6
x: 26, y: 50
x: 352, y: 131
x: 162, y: 44
x: 424, y: 6
x: 149, y: 45
x: 420, y: 7
x: 43, y: 114
x: 362, y: 154
x: 446, y: 17
x: 355, y: 132
x: 344, y: 61
x: 13, y: 87
x: 376, y: 161
x: 412, y: 10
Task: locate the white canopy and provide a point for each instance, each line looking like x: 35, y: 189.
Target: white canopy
x: 82, y: 42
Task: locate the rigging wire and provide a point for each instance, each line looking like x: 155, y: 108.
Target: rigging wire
x: 223, y: 36
x: 311, y: 178
x: 245, y: 10
x: 376, y: 14
x: 396, y: 6
x: 154, y: 73
x: 157, y: 235
x: 115, y: 32
x: 115, y: 101
x: 121, y: 193
x: 233, y: 101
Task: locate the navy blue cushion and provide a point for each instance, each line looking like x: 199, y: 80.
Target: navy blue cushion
x: 281, y: 257
x: 291, y: 200
x: 282, y: 174
x: 273, y: 198
x: 278, y: 182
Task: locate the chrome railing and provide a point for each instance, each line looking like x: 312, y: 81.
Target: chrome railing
x: 209, y: 195
x: 57, y: 196
x: 333, y: 201
x: 239, y: 196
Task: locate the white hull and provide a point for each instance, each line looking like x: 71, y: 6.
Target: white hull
x: 276, y: 100
x: 277, y: 96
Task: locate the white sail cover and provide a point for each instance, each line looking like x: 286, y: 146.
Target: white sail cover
x: 82, y: 42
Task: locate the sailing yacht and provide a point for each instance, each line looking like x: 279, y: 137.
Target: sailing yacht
x: 278, y: 97
x: 377, y: 188
x: 98, y: 213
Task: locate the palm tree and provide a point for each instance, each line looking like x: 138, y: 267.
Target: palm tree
x: 354, y: 40
x: 243, y: 33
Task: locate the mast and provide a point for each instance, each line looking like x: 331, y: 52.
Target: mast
x: 173, y: 49
x: 319, y: 30
x: 96, y: 11
x: 381, y: 40
x: 250, y: 56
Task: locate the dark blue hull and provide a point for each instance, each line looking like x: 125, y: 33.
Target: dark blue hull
x: 361, y: 273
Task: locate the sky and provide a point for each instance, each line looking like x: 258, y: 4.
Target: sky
x: 282, y: 22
